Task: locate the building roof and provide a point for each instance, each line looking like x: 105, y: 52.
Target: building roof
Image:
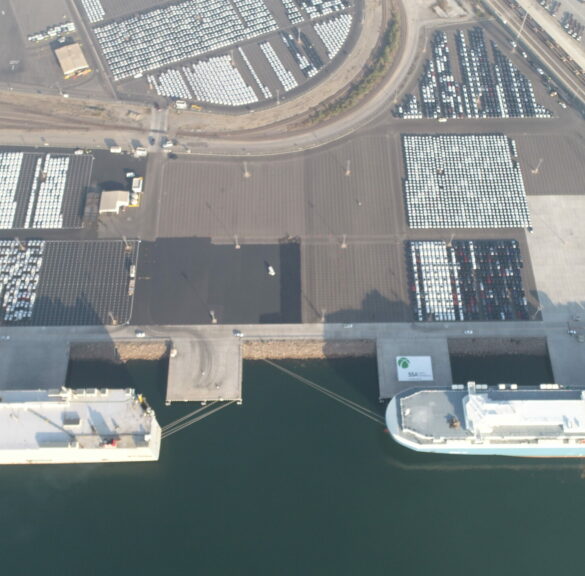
x: 71, y: 59
x: 113, y: 200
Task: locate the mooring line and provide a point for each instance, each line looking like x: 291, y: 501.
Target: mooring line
x: 187, y: 416
x: 337, y: 397
x: 188, y: 423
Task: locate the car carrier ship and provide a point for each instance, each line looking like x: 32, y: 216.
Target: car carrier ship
x: 545, y: 421
x: 76, y: 426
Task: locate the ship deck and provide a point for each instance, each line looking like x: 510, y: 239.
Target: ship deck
x: 89, y: 419
x: 430, y: 413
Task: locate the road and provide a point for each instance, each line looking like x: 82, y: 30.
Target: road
x: 362, y: 331
x: 159, y: 123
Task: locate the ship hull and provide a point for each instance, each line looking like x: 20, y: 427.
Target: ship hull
x: 518, y: 450
x: 74, y: 456
x: 77, y: 455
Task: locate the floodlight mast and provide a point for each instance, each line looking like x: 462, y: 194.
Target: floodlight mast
x: 537, y: 169
x: 520, y: 31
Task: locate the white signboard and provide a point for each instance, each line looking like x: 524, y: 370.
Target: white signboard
x: 414, y: 368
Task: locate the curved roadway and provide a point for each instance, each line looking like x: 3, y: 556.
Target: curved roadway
x: 262, y: 132
x: 276, y: 130
x: 271, y: 133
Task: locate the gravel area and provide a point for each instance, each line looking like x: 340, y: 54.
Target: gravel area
x: 303, y: 349
x: 120, y: 351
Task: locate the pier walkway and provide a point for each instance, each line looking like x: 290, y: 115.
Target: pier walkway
x: 206, y: 361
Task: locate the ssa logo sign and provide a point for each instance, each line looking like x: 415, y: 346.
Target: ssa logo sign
x: 403, y: 362
x: 414, y: 368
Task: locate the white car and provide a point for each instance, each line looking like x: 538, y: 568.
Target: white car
x: 270, y: 271
x: 140, y: 333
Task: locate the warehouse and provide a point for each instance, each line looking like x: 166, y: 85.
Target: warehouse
x: 112, y: 201
x: 72, y: 60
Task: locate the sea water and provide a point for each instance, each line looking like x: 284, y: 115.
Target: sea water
x: 292, y: 482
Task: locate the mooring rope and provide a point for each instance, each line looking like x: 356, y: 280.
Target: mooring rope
x: 341, y: 399
x: 188, y: 423
x: 186, y: 417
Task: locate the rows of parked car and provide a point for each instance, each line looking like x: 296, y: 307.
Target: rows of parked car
x: 463, y: 181
x: 20, y: 266
x: 466, y: 280
x: 490, y: 86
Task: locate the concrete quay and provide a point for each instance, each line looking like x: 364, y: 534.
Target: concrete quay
x: 389, y: 349
x: 207, y: 364
x: 202, y: 370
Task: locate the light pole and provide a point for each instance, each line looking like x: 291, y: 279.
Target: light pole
x: 539, y: 309
x: 537, y: 169
x: 520, y: 32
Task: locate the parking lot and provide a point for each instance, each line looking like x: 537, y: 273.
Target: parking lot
x: 31, y: 66
x: 552, y: 164
x: 331, y: 222
x: 467, y: 280
x: 43, y: 191
x: 20, y: 264
x: 351, y: 188
x: 482, y: 82
x: 22, y: 63
x: 361, y: 282
x: 113, y: 171
x: 83, y: 283
x: 112, y: 9
x: 192, y: 281
x: 467, y: 181
x: 208, y: 52
x: 47, y: 283
x: 87, y: 175
x: 343, y: 202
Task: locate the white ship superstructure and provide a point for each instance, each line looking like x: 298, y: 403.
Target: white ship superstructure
x: 75, y: 426
x: 507, y: 420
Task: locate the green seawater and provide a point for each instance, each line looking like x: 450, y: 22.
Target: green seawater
x: 291, y: 482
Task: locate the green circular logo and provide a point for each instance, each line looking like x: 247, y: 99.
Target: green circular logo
x: 403, y: 362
